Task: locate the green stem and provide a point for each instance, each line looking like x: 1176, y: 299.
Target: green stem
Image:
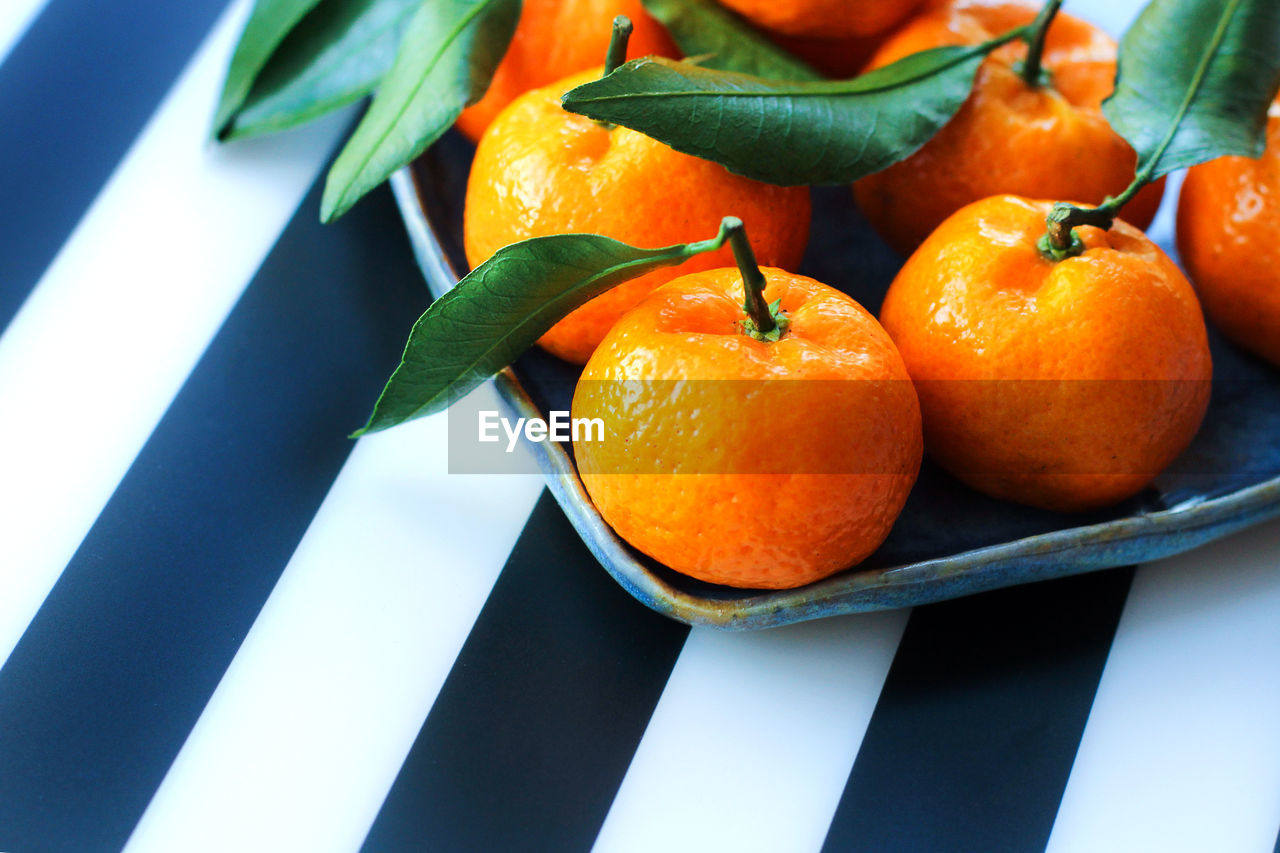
x: 764, y: 322
x: 1060, y: 240
x: 727, y: 224
x: 617, y: 53
x: 752, y: 279
x: 1035, y: 35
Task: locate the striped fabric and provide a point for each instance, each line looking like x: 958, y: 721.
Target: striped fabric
x: 225, y: 627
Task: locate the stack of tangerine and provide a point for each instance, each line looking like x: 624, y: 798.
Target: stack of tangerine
x: 1060, y: 380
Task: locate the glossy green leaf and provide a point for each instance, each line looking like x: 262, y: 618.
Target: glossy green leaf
x: 502, y: 307
x: 705, y: 29
x: 789, y: 133
x: 268, y: 24
x: 445, y: 62
x: 1195, y: 79
x: 335, y: 56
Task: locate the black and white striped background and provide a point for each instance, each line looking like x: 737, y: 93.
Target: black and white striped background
x: 225, y: 627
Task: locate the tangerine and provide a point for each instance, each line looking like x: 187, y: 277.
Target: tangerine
x: 742, y: 460
x: 540, y: 170
x: 824, y: 18
x: 1229, y: 239
x: 838, y: 58
x: 1066, y: 385
x: 1049, y: 140
x: 556, y: 38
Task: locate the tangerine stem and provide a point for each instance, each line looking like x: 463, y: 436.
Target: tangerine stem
x: 1032, y: 66
x: 617, y: 53
x: 757, y: 310
x: 1061, y: 242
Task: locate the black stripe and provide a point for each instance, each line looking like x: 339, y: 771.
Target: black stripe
x: 74, y: 93
x: 535, y: 726
x: 976, y: 730
x: 108, y: 680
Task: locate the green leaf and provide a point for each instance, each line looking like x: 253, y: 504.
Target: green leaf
x: 268, y: 24
x: 445, y: 62
x: 789, y: 133
x: 1194, y: 82
x: 335, y: 56
x: 502, y: 307
x: 705, y: 28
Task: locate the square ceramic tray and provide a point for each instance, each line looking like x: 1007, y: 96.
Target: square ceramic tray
x: 950, y: 541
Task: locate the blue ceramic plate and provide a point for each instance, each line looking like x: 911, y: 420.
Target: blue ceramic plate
x: 950, y: 541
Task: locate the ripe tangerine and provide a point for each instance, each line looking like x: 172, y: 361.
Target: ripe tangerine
x: 1067, y: 385
x: 556, y: 38
x: 749, y: 462
x: 1229, y: 240
x: 540, y: 170
x: 1044, y: 141
x: 824, y: 18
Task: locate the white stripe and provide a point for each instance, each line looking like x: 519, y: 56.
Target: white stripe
x: 16, y: 17
x: 305, y: 734
x: 94, y: 356
x: 1182, y: 748
x: 753, y: 739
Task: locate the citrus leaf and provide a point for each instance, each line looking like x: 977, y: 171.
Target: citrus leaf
x: 336, y: 55
x: 705, y: 28
x: 832, y: 132
x: 502, y: 307
x: 445, y: 62
x: 1194, y: 82
x: 268, y: 24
